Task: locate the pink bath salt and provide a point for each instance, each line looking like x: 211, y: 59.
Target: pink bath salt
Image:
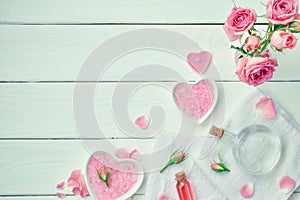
x: 266, y: 107
x: 163, y: 197
x: 247, y: 190
x: 60, y: 185
x: 195, y: 100
x: 61, y: 195
x: 286, y: 184
x: 142, y: 122
x: 122, y: 179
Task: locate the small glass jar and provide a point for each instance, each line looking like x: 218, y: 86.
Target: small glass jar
x: 184, y: 188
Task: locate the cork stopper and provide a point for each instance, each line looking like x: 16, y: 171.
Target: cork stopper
x: 180, y: 176
x: 218, y: 132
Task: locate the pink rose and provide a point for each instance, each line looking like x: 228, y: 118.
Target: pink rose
x: 239, y: 21
x: 252, y: 42
x: 282, y: 11
x: 283, y: 40
x: 256, y: 70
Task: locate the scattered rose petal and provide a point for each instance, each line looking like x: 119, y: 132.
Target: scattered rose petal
x: 76, y: 173
x: 73, y: 182
x: 286, y: 184
x: 247, y: 190
x: 60, y: 185
x: 142, y: 121
x: 61, y: 195
x: 135, y: 154
x: 266, y: 106
x: 76, y: 190
x: 122, y: 153
x: 163, y: 197
x: 125, y: 153
x: 84, y: 191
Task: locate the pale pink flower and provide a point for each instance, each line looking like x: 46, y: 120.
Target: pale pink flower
x: 239, y: 21
x: 283, y: 40
x: 282, y: 11
x: 252, y: 42
x: 176, y: 158
x: 256, y: 70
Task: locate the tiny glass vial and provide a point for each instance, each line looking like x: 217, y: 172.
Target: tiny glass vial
x: 183, y: 186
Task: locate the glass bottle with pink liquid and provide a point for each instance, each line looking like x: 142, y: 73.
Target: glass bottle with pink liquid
x: 184, y: 188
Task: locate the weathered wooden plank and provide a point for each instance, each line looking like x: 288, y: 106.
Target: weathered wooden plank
x: 46, y: 110
x: 127, y: 11
x: 37, y: 166
x: 57, y: 53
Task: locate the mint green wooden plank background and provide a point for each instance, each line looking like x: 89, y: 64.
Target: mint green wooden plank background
x: 48, y: 40
x: 114, y: 11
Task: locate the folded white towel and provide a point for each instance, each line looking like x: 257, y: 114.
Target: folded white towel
x: 208, y: 184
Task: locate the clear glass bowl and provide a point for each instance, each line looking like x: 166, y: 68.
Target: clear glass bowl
x: 257, y: 149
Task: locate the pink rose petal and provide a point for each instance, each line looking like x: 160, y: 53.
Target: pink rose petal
x: 122, y: 153
x: 60, y: 185
x: 61, y: 195
x: 142, y: 121
x: 73, y: 182
x: 266, y: 106
x: 286, y: 184
x: 247, y: 190
x: 135, y: 154
x: 76, y: 173
x: 76, y: 190
x: 84, y: 191
x: 163, y: 197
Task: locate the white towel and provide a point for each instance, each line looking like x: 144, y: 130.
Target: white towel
x: 208, y: 184
x: 266, y: 185
x: 165, y: 183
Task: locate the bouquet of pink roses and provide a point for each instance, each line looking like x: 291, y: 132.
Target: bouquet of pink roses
x: 255, y: 66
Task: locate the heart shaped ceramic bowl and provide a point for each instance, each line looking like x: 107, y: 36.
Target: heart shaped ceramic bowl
x: 198, y: 100
x: 126, y: 177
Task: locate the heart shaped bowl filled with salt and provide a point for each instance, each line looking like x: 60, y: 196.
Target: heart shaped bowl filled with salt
x: 198, y: 100
x: 125, y: 176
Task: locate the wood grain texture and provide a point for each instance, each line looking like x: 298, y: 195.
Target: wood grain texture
x: 57, y: 53
x: 135, y: 197
x: 114, y: 11
x: 46, y: 110
x: 38, y: 166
